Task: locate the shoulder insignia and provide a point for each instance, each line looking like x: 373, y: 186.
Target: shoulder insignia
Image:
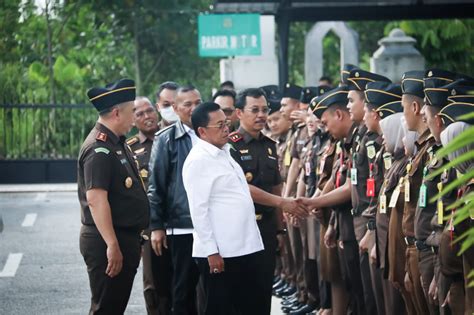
x: 102, y: 150
x: 101, y: 136
x: 235, y: 137
x: 371, y: 151
x: 132, y: 140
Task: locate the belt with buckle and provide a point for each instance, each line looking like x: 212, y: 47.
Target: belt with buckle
x: 410, y: 240
x: 421, y: 246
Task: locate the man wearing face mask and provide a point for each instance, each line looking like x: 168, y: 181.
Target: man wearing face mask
x: 165, y: 97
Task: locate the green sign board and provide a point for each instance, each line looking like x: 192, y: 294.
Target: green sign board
x: 229, y: 35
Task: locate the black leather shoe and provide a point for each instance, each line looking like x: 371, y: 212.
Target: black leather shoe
x: 278, y: 284
x: 291, y: 307
x: 305, y: 309
x: 289, y: 297
x: 280, y: 290
x: 289, y: 301
x: 288, y: 291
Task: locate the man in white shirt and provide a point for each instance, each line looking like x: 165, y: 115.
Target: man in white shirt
x: 227, y: 241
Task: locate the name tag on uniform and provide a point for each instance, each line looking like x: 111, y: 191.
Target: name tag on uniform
x: 353, y: 176
x: 383, y: 204
x: 246, y: 157
x: 407, y: 189
x: 422, y: 198
x: 123, y: 161
x: 307, y: 167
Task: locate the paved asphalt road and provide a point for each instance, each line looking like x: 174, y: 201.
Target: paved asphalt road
x: 41, y: 269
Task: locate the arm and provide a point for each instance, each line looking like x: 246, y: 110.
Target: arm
x: 333, y: 198
x: 292, y: 176
x: 101, y: 213
x: 157, y: 189
x: 286, y: 204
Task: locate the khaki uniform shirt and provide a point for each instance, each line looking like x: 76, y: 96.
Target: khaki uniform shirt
x: 141, y: 148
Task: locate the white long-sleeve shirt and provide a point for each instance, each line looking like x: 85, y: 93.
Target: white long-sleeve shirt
x: 221, y: 207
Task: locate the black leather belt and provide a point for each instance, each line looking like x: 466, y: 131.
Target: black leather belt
x: 410, y: 240
x: 423, y: 247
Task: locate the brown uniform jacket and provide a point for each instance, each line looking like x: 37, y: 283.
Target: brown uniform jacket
x: 284, y: 155
x: 106, y: 162
x: 141, y: 148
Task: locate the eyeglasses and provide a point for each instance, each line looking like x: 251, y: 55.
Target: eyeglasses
x: 221, y: 125
x: 256, y: 110
x: 228, y: 111
x: 148, y: 112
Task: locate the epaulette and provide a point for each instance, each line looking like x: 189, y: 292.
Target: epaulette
x: 235, y: 137
x: 101, y: 137
x: 132, y: 140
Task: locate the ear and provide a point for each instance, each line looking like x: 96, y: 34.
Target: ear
x: 439, y: 121
x: 201, y: 131
x: 239, y: 113
x: 417, y: 108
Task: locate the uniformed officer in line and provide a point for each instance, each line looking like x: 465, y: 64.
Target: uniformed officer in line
x: 257, y: 156
x: 382, y: 99
x: 308, y: 293
x: 226, y: 100
x: 429, y: 222
x: 156, y: 269
x: 412, y: 105
x: 365, y: 149
x: 279, y: 129
x: 290, y: 106
x: 165, y: 98
x: 114, y: 206
x: 331, y: 108
x: 452, y: 115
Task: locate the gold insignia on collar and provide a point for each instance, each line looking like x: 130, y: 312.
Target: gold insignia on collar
x: 244, y: 151
x: 453, y: 92
x: 248, y: 177
x: 270, y: 151
x: 144, y: 173
x: 430, y: 74
x: 128, y: 182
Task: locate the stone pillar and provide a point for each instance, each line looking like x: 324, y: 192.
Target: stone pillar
x: 396, y: 55
x: 313, y: 56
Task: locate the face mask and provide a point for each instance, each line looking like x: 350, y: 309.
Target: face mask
x: 168, y: 114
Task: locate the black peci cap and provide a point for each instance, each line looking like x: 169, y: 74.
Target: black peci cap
x: 413, y: 84
x: 386, y: 97
x: 358, y: 79
x: 323, y: 102
x: 112, y: 94
x: 452, y: 112
x: 273, y: 97
x: 345, y: 71
x: 292, y: 91
x: 310, y: 92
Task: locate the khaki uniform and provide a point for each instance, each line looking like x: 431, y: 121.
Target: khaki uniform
x: 414, y: 180
x: 156, y: 269
x: 106, y: 162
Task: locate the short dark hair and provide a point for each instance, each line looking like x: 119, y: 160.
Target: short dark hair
x: 169, y: 85
x: 326, y: 78
x: 200, y: 116
x: 241, y: 101
x: 227, y: 93
x: 341, y: 106
x: 186, y: 88
x: 227, y: 83
x: 370, y: 106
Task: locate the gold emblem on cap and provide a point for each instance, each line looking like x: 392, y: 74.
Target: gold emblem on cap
x: 248, y: 177
x: 144, y: 173
x: 381, y: 114
x: 128, y: 182
x: 288, y: 85
x: 453, y: 92
x: 357, y: 74
x: 270, y: 151
x: 307, y: 91
x: 430, y: 74
x: 321, y: 91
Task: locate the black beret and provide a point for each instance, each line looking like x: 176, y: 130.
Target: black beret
x: 273, y: 97
x: 310, y: 92
x: 386, y: 97
x: 358, y: 79
x: 323, y: 102
x: 461, y: 90
x: 345, y: 71
x: 292, y: 91
x: 413, y: 84
x: 451, y: 113
x: 112, y: 94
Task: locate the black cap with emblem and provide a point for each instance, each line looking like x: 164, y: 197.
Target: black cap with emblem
x: 273, y: 97
x: 358, y: 79
x: 345, y: 71
x: 310, y: 92
x: 385, y: 97
x: 454, y: 111
x: 461, y: 90
x: 292, y: 91
x: 331, y: 97
x: 112, y: 94
x: 435, y: 80
x: 412, y: 83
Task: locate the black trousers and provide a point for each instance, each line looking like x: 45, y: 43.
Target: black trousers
x: 234, y: 291
x: 109, y: 295
x: 156, y: 280
x: 350, y: 261
x: 185, y: 274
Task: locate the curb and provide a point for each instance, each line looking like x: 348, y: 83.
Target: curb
x: 26, y: 188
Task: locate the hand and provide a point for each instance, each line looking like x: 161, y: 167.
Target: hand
x: 447, y: 300
x: 281, y: 244
x: 216, y: 263
x: 114, y: 260
x: 373, y: 255
x: 330, y: 237
x: 408, y: 284
x: 299, y: 116
x: 294, y: 207
x: 310, y: 203
x: 433, y: 292
x: 367, y: 242
x: 158, y: 241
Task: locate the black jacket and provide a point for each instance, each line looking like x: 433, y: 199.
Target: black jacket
x: 169, y: 206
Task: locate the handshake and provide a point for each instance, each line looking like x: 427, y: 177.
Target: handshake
x: 299, y: 207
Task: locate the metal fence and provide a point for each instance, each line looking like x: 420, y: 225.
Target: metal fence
x: 44, y: 131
